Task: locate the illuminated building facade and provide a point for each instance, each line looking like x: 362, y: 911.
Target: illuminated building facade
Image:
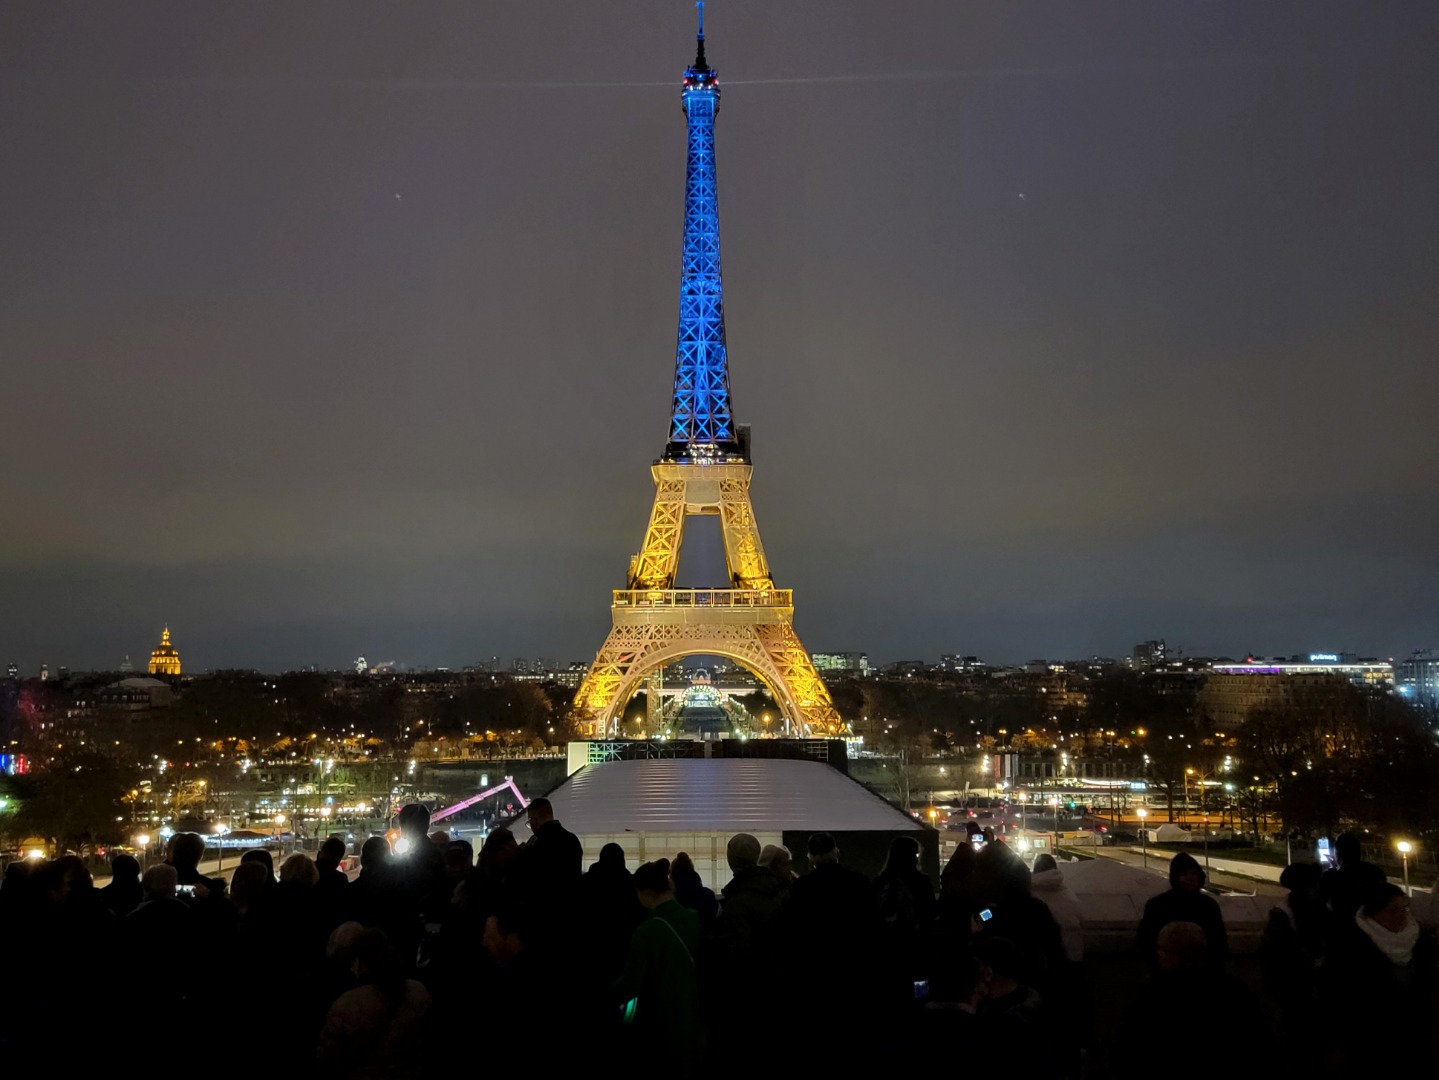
x: 706, y: 470
x: 1416, y: 679
x: 165, y: 659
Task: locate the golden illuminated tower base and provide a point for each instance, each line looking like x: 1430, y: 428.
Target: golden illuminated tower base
x: 749, y: 623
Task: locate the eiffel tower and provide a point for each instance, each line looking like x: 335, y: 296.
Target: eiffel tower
x: 705, y: 469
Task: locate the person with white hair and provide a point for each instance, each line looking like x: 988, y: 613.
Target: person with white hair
x: 780, y: 863
x: 159, y: 883
x: 160, y: 937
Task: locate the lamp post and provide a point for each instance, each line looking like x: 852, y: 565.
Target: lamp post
x: 1405, y: 847
x: 220, y: 830
x: 1023, y: 797
x: 1054, y: 820
x: 1143, y: 850
x: 143, y: 843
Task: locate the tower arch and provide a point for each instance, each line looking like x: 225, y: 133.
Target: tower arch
x: 763, y: 670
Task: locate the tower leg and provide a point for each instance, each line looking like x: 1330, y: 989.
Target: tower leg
x: 797, y: 673
x: 654, y: 567
x: 743, y: 551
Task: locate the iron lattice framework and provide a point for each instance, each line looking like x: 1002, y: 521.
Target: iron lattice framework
x: 701, y: 420
x: 705, y: 470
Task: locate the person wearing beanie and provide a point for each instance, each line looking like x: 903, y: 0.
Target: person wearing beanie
x: 1186, y: 901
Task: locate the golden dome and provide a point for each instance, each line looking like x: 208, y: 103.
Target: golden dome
x: 165, y: 659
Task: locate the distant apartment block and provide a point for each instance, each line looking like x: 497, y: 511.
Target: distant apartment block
x: 1417, y: 679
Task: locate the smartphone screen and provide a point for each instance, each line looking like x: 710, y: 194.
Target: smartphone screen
x: 986, y: 915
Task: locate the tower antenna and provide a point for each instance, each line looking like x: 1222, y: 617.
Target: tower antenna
x: 700, y: 38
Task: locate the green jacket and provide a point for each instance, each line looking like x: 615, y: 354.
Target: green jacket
x: 660, y: 978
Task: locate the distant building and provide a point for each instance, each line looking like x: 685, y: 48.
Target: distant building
x: 1055, y: 768
x: 12, y: 671
x: 1148, y: 654
x: 955, y: 662
x: 906, y: 669
x: 44, y: 672
x: 1063, y: 690
x: 135, y: 695
x: 165, y: 660
x: 1360, y: 672
x: 850, y: 663
x: 1232, y: 690
x: 571, y: 677
x: 1417, y: 679
x: 126, y: 666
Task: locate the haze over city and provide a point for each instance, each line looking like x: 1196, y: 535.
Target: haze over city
x: 350, y: 328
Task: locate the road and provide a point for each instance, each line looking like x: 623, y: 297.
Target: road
x: 1230, y: 882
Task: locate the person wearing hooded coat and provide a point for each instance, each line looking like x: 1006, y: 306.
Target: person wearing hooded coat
x: 607, y: 895
x: 1047, y: 884
x: 1186, y: 901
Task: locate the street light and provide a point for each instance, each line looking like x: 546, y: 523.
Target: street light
x: 1023, y: 797
x: 220, y: 830
x: 142, y: 841
x: 1405, y: 847
x: 1143, y: 850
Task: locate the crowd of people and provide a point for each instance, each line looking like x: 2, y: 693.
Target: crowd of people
x: 520, y: 955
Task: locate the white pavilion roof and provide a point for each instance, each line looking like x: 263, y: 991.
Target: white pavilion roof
x: 725, y: 794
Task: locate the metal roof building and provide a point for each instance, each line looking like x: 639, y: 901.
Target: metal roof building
x: 655, y: 808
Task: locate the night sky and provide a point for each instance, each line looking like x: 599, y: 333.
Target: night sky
x: 341, y: 328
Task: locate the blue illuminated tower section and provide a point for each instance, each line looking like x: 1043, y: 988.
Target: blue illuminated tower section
x: 701, y: 424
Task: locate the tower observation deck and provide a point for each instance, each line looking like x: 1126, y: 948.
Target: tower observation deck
x: 705, y: 469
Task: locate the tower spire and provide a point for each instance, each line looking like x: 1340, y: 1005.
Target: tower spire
x: 701, y: 424
x: 700, y: 38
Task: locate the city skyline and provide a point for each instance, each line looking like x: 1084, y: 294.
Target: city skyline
x: 502, y: 661
x: 1079, y: 329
